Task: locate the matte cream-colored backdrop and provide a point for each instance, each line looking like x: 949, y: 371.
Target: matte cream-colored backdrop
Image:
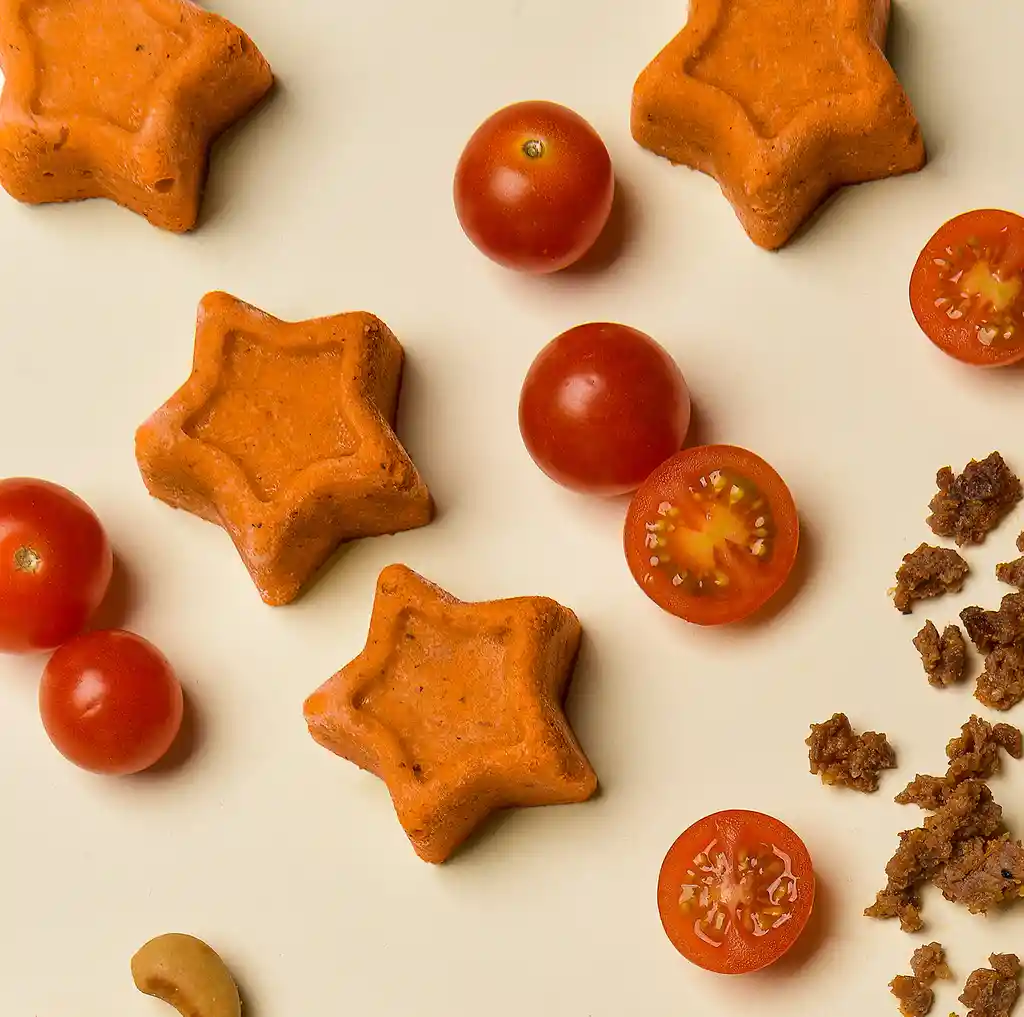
x: 336, y: 196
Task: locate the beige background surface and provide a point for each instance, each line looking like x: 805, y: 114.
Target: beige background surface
x: 337, y: 197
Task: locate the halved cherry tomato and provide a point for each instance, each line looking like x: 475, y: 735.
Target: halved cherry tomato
x: 967, y: 288
x: 110, y: 702
x: 601, y: 406
x: 534, y: 187
x: 712, y: 534
x: 735, y: 891
x: 55, y: 564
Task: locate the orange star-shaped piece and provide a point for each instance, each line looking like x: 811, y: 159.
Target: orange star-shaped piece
x: 781, y: 101
x: 120, y: 99
x: 458, y: 708
x: 283, y: 436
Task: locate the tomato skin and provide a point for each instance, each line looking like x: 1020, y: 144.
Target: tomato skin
x: 602, y: 405
x: 534, y: 214
x: 734, y: 830
x: 55, y: 564
x: 672, y: 479
x: 933, y: 296
x: 110, y: 702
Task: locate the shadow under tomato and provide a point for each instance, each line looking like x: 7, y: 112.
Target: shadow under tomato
x: 818, y: 928
x: 113, y: 612
x: 802, y: 570
x: 184, y: 747
x: 614, y: 238
x: 699, y: 432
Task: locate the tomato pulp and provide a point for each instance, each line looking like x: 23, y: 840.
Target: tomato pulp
x: 712, y: 534
x: 55, y: 564
x: 735, y: 891
x: 110, y: 702
x: 534, y: 187
x: 601, y: 406
x: 967, y: 288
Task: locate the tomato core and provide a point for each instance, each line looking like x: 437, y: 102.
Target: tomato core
x: 705, y: 535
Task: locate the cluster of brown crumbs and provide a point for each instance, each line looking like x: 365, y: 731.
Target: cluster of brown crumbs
x: 944, y: 657
x: 915, y: 991
x: 928, y: 572
x: 846, y: 759
x: 963, y: 847
x: 999, y: 636
x: 993, y: 991
x: 969, y: 505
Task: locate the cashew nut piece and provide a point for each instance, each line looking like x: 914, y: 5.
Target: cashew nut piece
x: 188, y: 974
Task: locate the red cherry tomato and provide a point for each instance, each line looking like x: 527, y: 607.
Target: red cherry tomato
x: 602, y: 406
x: 110, y: 702
x: 534, y: 187
x: 967, y: 288
x: 712, y: 534
x: 735, y: 892
x: 55, y: 564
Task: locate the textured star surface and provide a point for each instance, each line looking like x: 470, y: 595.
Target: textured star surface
x: 283, y: 435
x: 782, y: 101
x: 120, y: 99
x: 457, y: 707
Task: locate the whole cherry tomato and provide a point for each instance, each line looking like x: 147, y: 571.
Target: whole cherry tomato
x: 602, y: 405
x: 110, y: 702
x: 534, y: 187
x: 55, y: 564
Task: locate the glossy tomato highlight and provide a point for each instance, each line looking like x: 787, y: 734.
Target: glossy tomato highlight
x: 735, y: 891
x: 967, y: 288
x: 712, y: 534
x: 534, y: 187
x: 55, y: 564
x: 602, y: 405
x: 110, y: 702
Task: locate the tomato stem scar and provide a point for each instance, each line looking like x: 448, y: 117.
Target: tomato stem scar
x: 533, y: 149
x: 27, y: 559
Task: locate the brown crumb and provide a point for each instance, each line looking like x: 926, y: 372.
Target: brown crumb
x: 929, y: 963
x: 928, y: 572
x: 988, y: 629
x: 969, y: 506
x: 944, y: 657
x: 916, y: 998
x: 963, y: 847
x: 1020, y: 543
x: 914, y: 991
x: 847, y: 759
x: 1001, y: 684
x: 993, y: 992
x: 1011, y: 573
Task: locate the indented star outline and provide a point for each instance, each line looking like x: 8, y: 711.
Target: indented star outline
x: 370, y: 487
x: 776, y: 169
x: 441, y: 797
x: 158, y: 169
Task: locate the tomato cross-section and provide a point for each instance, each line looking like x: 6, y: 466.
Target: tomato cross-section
x: 735, y: 891
x: 967, y: 288
x: 712, y: 534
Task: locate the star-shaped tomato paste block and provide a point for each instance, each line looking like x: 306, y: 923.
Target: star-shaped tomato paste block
x: 283, y: 436
x: 781, y: 101
x: 120, y: 99
x: 457, y: 707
